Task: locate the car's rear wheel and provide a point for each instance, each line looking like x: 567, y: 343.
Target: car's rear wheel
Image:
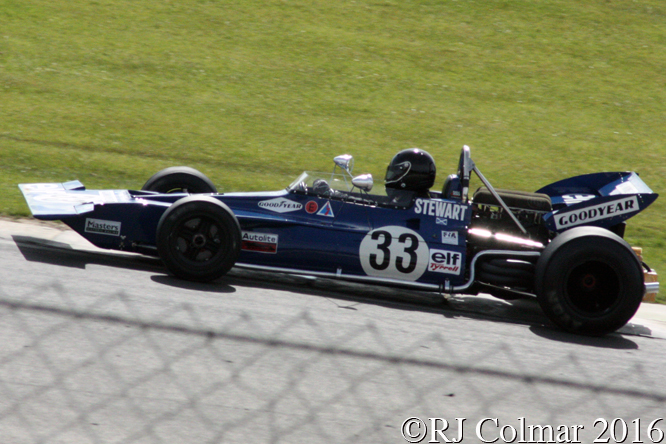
x: 179, y: 179
x: 198, y: 238
x: 589, y: 281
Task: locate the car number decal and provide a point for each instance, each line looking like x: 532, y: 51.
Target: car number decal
x: 394, y: 252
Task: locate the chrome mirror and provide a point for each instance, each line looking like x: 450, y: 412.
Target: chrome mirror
x: 363, y: 182
x: 345, y: 161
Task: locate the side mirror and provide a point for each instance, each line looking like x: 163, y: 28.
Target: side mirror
x: 465, y: 168
x: 363, y: 182
x: 345, y: 161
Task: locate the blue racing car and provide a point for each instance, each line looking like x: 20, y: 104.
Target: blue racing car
x: 562, y: 244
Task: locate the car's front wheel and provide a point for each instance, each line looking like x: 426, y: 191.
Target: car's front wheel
x: 198, y: 238
x: 589, y: 281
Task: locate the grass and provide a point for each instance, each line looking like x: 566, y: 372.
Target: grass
x: 252, y: 93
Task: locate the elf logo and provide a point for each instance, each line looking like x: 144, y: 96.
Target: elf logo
x: 443, y: 261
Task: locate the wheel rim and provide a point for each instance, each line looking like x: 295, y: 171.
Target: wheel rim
x: 199, y: 240
x: 593, y: 288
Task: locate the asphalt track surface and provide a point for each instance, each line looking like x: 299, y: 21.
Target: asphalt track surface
x: 102, y: 347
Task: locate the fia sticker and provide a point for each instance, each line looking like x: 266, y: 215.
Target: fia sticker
x: 450, y: 237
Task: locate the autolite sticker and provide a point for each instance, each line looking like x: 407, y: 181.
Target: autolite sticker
x: 596, y: 212
x: 280, y: 205
x: 259, y: 242
x: 98, y: 226
x: 442, y: 261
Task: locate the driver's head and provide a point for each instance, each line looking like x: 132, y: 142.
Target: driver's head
x: 412, y: 170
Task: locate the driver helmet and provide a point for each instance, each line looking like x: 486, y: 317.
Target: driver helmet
x: 412, y: 169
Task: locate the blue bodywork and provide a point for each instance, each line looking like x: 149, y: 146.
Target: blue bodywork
x: 348, y: 235
x: 600, y: 199
x: 423, y: 242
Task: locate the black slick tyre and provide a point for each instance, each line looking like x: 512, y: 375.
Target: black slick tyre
x: 198, y: 238
x: 589, y: 281
x: 180, y: 179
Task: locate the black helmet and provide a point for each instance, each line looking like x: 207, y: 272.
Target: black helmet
x: 412, y: 169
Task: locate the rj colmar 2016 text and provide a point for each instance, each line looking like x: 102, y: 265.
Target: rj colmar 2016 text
x: 491, y: 430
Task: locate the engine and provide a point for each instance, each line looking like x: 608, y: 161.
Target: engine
x: 528, y: 208
x: 492, y: 228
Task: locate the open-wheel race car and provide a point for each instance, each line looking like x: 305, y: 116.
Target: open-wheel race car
x: 562, y: 244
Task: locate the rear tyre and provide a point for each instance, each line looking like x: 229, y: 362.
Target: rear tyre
x: 198, y: 238
x: 179, y: 179
x: 589, y: 281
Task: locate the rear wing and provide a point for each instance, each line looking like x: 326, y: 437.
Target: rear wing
x: 54, y: 201
x: 600, y: 199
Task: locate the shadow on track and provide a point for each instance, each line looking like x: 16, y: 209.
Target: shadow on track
x: 57, y: 253
x: 341, y: 293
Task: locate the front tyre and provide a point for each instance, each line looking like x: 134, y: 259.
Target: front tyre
x: 198, y: 238
x: 589, y: 281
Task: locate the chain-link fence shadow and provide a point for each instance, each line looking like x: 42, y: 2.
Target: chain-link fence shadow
x: 109, y: 372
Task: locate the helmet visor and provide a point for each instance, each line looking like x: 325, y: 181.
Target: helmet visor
x: 397, y: 172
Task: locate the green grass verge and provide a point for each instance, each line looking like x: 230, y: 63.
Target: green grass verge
x: 252, y: 93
